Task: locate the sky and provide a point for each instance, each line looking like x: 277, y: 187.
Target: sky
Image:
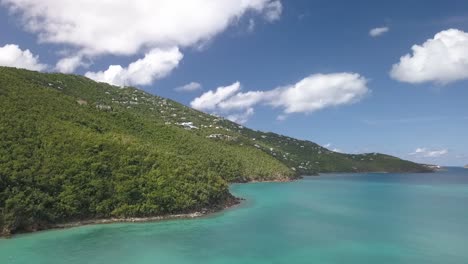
x: 354, y: 76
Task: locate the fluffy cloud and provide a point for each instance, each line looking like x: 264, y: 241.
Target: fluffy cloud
x: 228, y: 101
x: 442, y: 59
x: 155, y: 65
x: 210, y: 100
x: 241, y: 118
x: 189, y: 87
x: 311, y: 94
x: 11, y: 55
x: 70, y: 64
x: 375, y: 32
x: 272, y: 10
x: 130, y: 27
x: 125, y: 26
x: 319, y: 91
x: 428, y: 153
x: 242, y: 100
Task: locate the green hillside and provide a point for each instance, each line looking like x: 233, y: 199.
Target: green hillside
x: 75, y: 149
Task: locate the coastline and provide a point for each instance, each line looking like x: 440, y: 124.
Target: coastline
x: 279, y: 179
x: 129, y: 220
x: 232, y: 202
x: 229, y: 203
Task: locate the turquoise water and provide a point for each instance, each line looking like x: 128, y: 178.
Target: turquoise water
x: 353, y: 218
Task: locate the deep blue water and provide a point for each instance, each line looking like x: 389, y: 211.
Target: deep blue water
x: 333, y: 218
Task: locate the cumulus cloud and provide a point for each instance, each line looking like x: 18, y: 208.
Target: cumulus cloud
x: 228, y: 101
x: 313, y: 93
x: 429, y: 153
x: 70, y: 64
x: 245, y: 100
x: 320, y: 91
x: 210, y: 100
x: 273, y: 10
x: 11, y: 55
x: 375, y: 32
x: 156, y: 64
x: 189, y: 87
x: 442, y: 59
x: 127, y: 27
x: 242, y: 117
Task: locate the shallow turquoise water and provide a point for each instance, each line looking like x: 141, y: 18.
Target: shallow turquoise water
x: 353, y: 218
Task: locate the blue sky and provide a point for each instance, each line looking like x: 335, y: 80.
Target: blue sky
x: 420, y: 112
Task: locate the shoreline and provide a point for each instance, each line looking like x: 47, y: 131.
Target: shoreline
x: 282, y: 179
x: 230, y: 203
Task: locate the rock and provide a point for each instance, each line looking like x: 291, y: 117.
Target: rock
x: 6, y: 232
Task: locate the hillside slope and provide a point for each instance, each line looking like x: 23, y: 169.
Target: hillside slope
x: 75, y: 149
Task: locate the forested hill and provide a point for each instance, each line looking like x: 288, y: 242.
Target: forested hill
x: 73, y: 149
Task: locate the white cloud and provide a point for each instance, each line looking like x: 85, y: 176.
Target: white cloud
x: 273, y: 10
x: 312, y: 93
x: 428, y: 153
x: 375, y: 32
x: 222, y: 102
x: 12, y: 56
x: 320, y: 91
x: 244, y: 100
x: 128, y: 27
x: 189, y: 87
x: 442, y: 59
x: 70, y: 64
x: 241, y: 118
x: 210, y: 100
x: 156, y: 64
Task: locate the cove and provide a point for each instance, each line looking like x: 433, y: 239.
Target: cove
x: 332, y: 218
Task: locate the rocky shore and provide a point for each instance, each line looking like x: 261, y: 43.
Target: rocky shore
x: 276, y: 178
x: 231, y: 203
x: 228, y: 203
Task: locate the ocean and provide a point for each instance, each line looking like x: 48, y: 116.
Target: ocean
x: 333, y: 218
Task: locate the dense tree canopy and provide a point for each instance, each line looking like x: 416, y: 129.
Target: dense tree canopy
x: 73, y: 149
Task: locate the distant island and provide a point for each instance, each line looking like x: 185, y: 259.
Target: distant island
x: 466, y: 166
x: 77, y: 151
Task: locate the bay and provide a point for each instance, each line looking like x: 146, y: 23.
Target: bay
x: 332, y: 218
